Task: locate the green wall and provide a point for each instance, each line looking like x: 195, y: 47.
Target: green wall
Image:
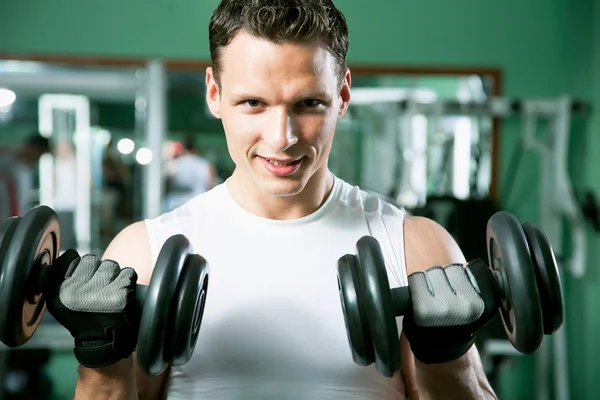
x: 545, y: 48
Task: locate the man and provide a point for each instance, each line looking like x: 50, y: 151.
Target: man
x: 188, y: 175
x: 273, y: 326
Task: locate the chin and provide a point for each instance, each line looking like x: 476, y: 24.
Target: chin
x: 281, y: 187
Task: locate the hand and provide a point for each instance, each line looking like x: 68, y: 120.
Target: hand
x: 449, y: 305
x: 95, y: 301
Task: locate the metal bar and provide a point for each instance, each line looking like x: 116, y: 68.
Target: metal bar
x: 156, y: 119
x: 422, y: 102
x: 113, y: 86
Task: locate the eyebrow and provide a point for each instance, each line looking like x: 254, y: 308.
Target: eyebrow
x: 310, y: 95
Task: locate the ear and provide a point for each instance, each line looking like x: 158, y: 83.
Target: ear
x: 345, y: 93
x: 213, y: 97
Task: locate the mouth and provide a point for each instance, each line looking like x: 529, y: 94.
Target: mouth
x: 281, y: 167
x: 282, y: 163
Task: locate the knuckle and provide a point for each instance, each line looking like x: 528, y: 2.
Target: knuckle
x: 127, y: 275
x: 109, y: 265
x: 434, y: 270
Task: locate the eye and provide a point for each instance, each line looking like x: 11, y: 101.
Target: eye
x: 252, y: 103
x: 310, y: 103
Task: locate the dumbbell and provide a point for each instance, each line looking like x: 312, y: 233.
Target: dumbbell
x: 172, y: 304
x: 524, y: 271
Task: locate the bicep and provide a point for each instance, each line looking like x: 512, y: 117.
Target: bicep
x: 427, y: 244
x: 131, y: 249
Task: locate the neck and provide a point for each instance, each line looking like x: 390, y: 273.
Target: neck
x: 300, y: 205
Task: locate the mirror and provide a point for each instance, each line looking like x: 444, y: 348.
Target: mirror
x: 410, y: 138
x: 82, y: 114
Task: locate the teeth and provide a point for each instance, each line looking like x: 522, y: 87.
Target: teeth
x: 278, y: 163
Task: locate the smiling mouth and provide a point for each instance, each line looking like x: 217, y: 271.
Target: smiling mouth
x: 281, y: 163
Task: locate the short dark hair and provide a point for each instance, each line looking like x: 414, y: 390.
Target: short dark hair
x: 279, y: 21
x: 38, y: 142
x: 189, y: 142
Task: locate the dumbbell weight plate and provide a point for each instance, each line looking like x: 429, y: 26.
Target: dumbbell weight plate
x: 35, y: 243
x: 520, y: 310
x: 154, y: 350
x: 7, y: 230
x: 352, y: 299
x: 379, y: 307
x: 189, y: 309
x: 547, y: 277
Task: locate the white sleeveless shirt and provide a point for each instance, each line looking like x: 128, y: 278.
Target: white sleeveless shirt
x: 273, y: 326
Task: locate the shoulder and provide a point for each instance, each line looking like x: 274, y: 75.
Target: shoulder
x: 200, y: 205
x: 428, y: 244
x: 355, y: 196
x: 135, y: 246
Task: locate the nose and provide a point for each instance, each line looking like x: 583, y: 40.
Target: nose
x: 280, y: 132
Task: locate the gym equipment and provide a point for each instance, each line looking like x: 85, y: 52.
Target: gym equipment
x: 172, y: 304
x: 522, y: 264
x: 27, y: 245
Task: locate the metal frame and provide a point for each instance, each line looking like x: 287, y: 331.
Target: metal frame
x: 48, y: 104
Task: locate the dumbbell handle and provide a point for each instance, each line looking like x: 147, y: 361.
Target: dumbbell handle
x: 401, y: 300
x: 140, y: 294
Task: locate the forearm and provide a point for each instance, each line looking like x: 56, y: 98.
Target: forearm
x: 115, y: 382
x: 463, y: 378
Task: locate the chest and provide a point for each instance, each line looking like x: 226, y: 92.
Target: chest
x: 274, y: 296
x: 275, y: 272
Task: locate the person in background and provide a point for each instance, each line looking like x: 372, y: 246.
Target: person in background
x: 115, y: 176
x: 188, y: 175
x: 19, y: 175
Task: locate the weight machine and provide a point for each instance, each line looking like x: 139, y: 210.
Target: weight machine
x: 558, y: 202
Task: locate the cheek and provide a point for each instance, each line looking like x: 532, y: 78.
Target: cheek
x: 240, y: 132
x: 326, y: 129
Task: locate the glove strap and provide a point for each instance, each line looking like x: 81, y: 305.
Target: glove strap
x: 429, y: 353
x: 100, y: 353
x: 95, y: 355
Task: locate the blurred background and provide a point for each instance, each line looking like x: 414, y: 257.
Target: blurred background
x: 459, y: 109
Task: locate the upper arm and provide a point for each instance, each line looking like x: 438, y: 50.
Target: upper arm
x: 131, y: 248
x: 428, y: 244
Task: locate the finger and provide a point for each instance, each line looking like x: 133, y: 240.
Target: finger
x: 438, y: 280
x: 467, y: 305
x: 460, y: 280
x: 409, y: 371
x: 107, y: 272
x: 418, y: 282
x: 483, y: 278
x: 85, y: 269
x: 127, y: 278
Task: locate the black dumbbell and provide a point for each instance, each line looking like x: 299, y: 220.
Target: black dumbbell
x: 172, y: 304
x: 524, y: 270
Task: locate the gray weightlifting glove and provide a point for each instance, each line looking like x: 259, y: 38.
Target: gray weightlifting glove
x: 95, y: 301
x: 449, y: 305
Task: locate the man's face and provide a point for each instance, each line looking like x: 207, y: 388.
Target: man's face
x: 279, y: 104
